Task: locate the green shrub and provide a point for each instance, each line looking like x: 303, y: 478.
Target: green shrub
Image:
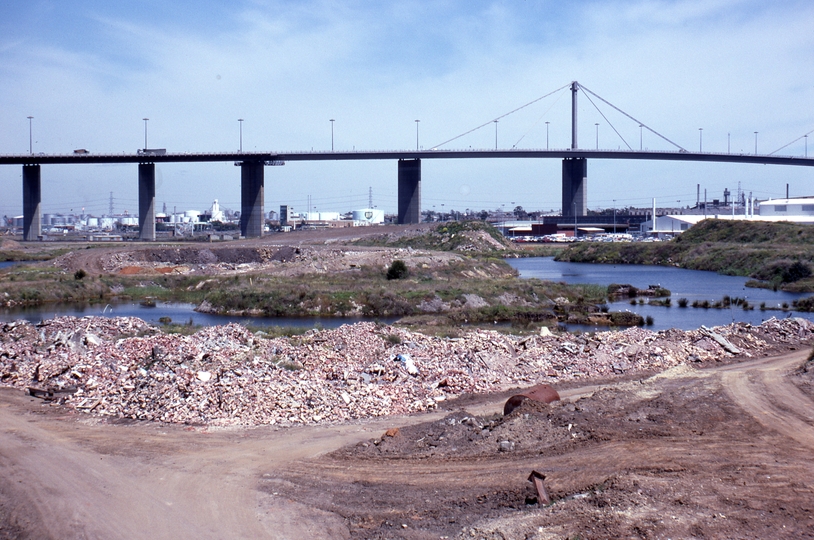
x: 398, y: 270
x: 79, y: 274
x: 626, y: 318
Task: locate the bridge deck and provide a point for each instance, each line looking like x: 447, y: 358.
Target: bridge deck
x: 35, y: 159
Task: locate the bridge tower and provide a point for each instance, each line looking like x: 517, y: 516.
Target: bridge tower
x: 146, y: 201
x: 32, y: 197
x: 409, y: 191
x: 252, y: 192
x: 574, y: 170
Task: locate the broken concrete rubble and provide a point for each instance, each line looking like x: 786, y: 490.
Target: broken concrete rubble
x: 225, y: 375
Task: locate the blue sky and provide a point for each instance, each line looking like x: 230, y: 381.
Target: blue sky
x: 88, y: 72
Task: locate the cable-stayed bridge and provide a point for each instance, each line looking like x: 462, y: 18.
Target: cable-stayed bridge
x: 252, y: 164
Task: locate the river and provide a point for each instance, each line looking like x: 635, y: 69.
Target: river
x: 689, y: 284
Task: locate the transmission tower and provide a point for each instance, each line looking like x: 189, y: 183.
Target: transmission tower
x: 370, y: 197
x: 110, y: 209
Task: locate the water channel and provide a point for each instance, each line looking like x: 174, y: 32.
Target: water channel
x: 178, y: 313
x: 689, y: 284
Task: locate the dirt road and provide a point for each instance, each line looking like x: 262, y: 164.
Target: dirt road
x: 689, y: 453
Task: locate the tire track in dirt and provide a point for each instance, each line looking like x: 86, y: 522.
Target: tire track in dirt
x: 764, y: 392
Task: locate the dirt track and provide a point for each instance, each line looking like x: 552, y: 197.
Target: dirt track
x: 715, y: 453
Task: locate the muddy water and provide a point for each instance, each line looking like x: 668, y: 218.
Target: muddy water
x: 689, y: 284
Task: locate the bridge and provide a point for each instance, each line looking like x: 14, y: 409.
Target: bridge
x: 252, y: 164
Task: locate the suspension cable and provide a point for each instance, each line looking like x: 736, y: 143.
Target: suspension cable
x: 538, y: 121
x: 609, y: 123
x: 637, y: 121
x: 792, y: 142
x: 501, y: 116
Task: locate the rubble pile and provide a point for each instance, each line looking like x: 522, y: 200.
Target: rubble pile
x: 225, y: 375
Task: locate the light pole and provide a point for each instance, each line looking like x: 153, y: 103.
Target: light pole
x: 495, y: 134
x: 597, y: 135
x: 575, y: 220
x: 755, y: 142
x: 806, y: 138
x: 240, y: 123
x: 332, y: 134
x: 145, y: 132
x: 641, y: 139
x: 30, y: 136
x: 546, y: 135
x: 700, y: 140
x: 728, y: 143
x: 416, y: 134
x: 614, y: 216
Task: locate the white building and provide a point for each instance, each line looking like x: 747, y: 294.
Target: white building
x: 676, y: 224
x: 322, y: 216
x: 788, y: 208
x: 216, y: 212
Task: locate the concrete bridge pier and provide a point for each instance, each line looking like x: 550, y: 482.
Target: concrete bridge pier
x: 574, y: 187
x: 409, y: 191
x: 251, y: 199
x: 32, y: 197
x: 146, y: 201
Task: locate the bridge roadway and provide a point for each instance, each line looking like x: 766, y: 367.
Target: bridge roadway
x: 574, y: 175
x: 189, y: 157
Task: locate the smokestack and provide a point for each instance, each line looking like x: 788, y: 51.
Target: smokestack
x: 654, y: 214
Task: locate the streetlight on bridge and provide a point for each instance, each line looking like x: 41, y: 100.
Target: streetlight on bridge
x: 332, y: 134
x: 145, y: 132
x: 700, y: 140
x: 597, y: 135
x: 641, y: 139
x: 755, y: 142
x: 416, y: 134
x: 30, y: 136
x: 546, y: 135
x: 806, y: 138
x: 495, y: 134
x: 240, y: 120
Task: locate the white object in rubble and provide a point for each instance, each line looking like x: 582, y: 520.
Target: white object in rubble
x: 407, y: 362
x: 204, y: 376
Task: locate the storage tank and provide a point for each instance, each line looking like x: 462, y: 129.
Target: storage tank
x: 370, y: 216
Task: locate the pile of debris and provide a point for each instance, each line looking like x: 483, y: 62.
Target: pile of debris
x: 226, y: 375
